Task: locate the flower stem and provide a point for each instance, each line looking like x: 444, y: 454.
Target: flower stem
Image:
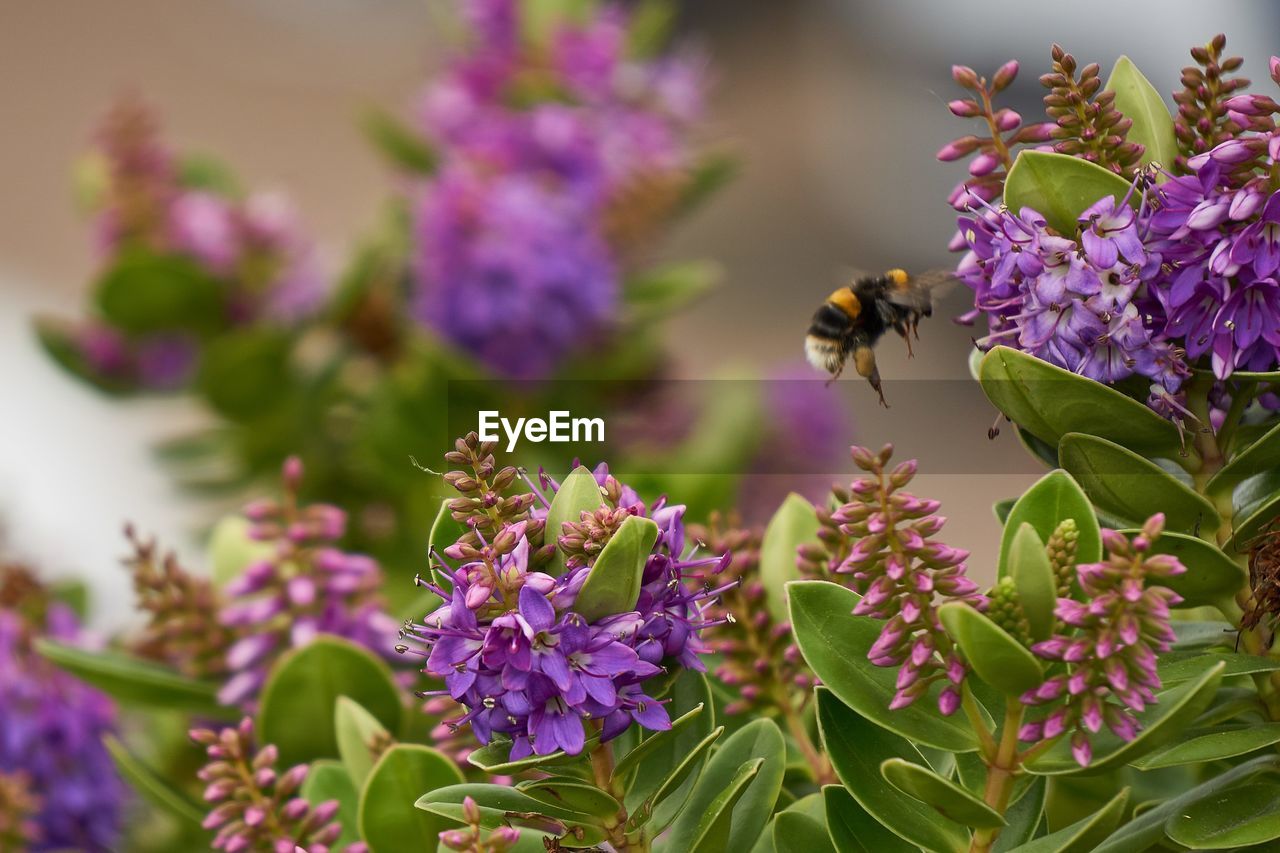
x: 818, y: 762
x: 1002, y: 772
x: 602, y: 766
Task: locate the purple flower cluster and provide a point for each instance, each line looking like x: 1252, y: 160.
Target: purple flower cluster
x: 900, y: 573
x: 254, y: 807
x: 51, y: 729
x: 307, y: 587
x: 1109, y: 643
x: 510, y: 647
x: 544, y: 149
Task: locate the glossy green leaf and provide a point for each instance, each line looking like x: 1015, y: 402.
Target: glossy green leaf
x: 946, y: 797
x: 1053, y: 498
x: 1189, y: 636
x: 855, y: 831
x: 653, y: 742
x: 653, y: 769
x: 1083, y: 835
x: 494, y: 758
x: 297, y: 709
x: 578, y: 493
x: 572, y: 793
x: 1023, y: 817
x: 403, y: 774
x: 133, y: 681
x: 1133, y: 488
x: 1197, y: 746
x: 657, y: 293
x: 1051, y: 402
x: 1176, y: 667
x: 1238, y: 817
x: 145, y: 292
x: 686, y: 772
x: 613, y: 585
x: 1138, y: 101
x: 1256, y: 504
x: 715, y: 826
x: 497, y: 803
x: 147, y: 781
x: 1168, y: 718
x: 857, y: 747
x: 834, y: 642
x: 1261, y: 455
x: 328, y: 780
x: 760, y: 739
x: 996, y: 658
x: 231, y: 551
x: 1211, y: 576
x: 358, y: 733
x: 1033, y: 578
x: 794, y: 524
x: 1059, y: 187
x: 794, y: 832
x: 1147, y: 828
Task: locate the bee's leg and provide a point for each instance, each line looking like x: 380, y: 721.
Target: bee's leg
x: 864, y: 359
x: 835, y: 374
x: 907, y: 337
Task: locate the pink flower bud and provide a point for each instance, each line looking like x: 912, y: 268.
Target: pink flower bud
x: 984, y: 164
x: 1007, y: 119
x: 964, y: 108
x: 292, y: 472
x: 1004, y: 75
x: 965, y: 76
x: 958, y: 148
x: 1274, y: 67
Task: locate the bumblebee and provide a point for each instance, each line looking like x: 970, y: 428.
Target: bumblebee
x: 855, y: 317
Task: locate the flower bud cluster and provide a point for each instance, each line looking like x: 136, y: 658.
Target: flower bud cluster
x: 757, y: 652
x: 1061, y: 549
x: 306, y: 587
x: 820, y: 560
x: 991, y: 151
x: 1108, y: 643
x: 256, y: 808
x: 182, y: 627
x: 901, y: 573
x: 1088, y: 125
x: 1005, y: 609
x: 484, y: 508
x: 473, y: 839
x: 1209, y: 113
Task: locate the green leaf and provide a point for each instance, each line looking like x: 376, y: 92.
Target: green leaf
x: 794, y: 832
x: 855, y: 831
x: 1202, y: 634
x: 646, y: 747
x: 1033, y: 578
x: 946, y: 797
x: 1139, y: 102
x: 1238, y: 817
x: 1172, y: 713
x: 133, y: 681
x: 857, y: 747
x: 794, y: 524
x: 357, y: 731
x: 650, y: 26
x: 688, y: 770
x: 834, y: 642
x: 713, y: 171
x: 1262, y: 455
x: 245, y: 373
x: 1133, y: 488
x: 202, y: 172
x: 1054, y: 498
x: 143, y: 292
x: 653, y: 769
x: 148, y: 782
x: 328, y: 780
x: 1051, y: 402
x: 613, y: 584
x: 401, y: 776
x: 1256, y: 504
x: 493, y: 758
x: 1176, y: 667
x: 297, y: 709
x: 1083, y: 835
x: 760, y: 739
x: 502, y: 806
x: 997, y: 658
x: 1001, y: 509
x: 656, y: 293
x: 1211, y: 577
x: 231, y: 551
x: 1023, y: 817
x: 578, y: 493
x: 715, y: 826
x: 1197, y: 747
x: 573, y: 794
x: 400, y: 145
x: 1147, y: 828
x: 1060, y: 187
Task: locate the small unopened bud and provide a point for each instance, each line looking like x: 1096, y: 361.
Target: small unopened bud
x: 965, y: 76
x: 1004, y: 75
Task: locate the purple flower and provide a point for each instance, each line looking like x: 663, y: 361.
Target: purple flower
x: 1110, y: 232
x: 51, y: 729
x: 1108, y: 643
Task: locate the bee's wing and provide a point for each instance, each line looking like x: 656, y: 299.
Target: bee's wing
x: 919, y: 293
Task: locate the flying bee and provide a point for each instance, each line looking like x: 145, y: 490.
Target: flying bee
x: 855, y: 317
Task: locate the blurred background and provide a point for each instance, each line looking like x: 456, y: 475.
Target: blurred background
x: 835, y: 109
